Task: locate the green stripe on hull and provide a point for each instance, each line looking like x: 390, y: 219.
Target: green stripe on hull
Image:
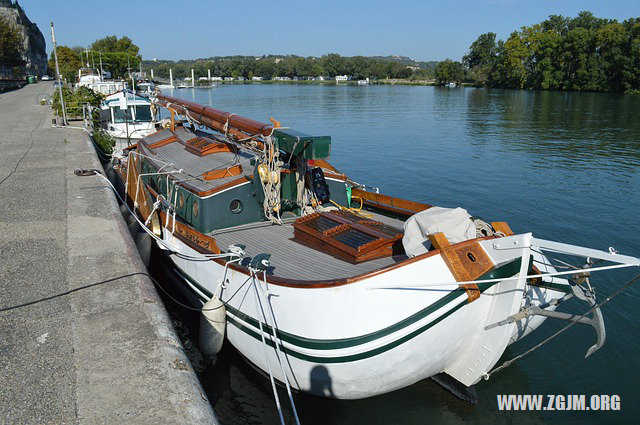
x: 507, y: 270
x: 504, y: 271
x: 334, y: 344
x: 351, y: 357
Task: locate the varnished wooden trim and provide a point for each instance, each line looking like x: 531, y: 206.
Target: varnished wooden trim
x: 465, y: 261
x: 194, y: 238
x: 236, y: 170
x: 323, y: 164
x: 172, y: 138
x: 438, y: 240
x: 342, y: 177
x: 232, y: 183
x: 389, y: 203
x: 502, y: 226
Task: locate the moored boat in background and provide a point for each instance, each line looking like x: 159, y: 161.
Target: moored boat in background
x: 126, y: 116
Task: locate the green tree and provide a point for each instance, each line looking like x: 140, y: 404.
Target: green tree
x: 631, y: 72
x: 510, y: 68
x: 333, y: 64
x: 114, y: 44
x: 118, y: 63
x: 11, y: 45
x: 481, y: 58
x: 69, y: 62
x: 581, y: 53
x: 448, y: 71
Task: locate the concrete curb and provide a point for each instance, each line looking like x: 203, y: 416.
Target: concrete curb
x: 124, y: 325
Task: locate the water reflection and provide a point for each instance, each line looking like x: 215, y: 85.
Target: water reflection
x: 572, y: 130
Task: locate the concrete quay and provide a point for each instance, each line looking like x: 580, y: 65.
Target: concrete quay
x: 73, y: 350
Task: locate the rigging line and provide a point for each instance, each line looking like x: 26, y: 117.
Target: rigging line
x: 418, y: 286
x: 33, y: 141
x: 277, y: 347
x: 564, y: 265
x: 508, y: 363
x: 259, y: 309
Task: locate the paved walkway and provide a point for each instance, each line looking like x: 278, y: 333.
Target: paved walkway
x: 106, y: 354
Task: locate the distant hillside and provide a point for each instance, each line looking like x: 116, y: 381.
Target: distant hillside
x: 403, y: 60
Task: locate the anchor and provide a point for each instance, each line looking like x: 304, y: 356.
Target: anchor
x: 581, y: 289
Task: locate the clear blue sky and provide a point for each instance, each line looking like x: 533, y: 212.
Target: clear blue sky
x: 423, y: 30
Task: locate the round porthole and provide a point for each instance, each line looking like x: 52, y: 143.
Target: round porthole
x: 235, y: 206
x: 195, y: 208
x: 181, y: 200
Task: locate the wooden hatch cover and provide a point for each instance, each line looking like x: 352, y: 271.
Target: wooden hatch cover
x: 201, y: 146
x: 347, y: 236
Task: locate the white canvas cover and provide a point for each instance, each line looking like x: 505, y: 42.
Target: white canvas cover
x: 455, y: 223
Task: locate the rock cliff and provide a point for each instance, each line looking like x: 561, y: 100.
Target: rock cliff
x: 35, y: 53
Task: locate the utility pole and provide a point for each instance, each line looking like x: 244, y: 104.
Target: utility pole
x: 55, y: 55
x: 208, y: 75
x: 101, y: 72
x: 133, y: 84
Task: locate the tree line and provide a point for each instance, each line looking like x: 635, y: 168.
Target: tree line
x: 584, y: 53
x: 268, y: 67
x: 117, y: 56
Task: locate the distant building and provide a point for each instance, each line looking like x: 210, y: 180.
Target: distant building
x: 203, y: 79
x: 228, y: 78
x: 342, y: 78
x: 282, y: 78
x: 256, y: 78
x: 241, y: 78
x: 216, y: 78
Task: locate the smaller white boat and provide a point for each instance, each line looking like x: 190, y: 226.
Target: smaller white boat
x: 451, y: 85
x: 127, y: 117
x: 165, y: 87
x: 145, y: 88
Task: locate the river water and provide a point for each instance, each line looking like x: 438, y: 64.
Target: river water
x: 564, y: 166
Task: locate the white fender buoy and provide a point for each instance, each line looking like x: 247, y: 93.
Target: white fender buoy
x: 212, y: 327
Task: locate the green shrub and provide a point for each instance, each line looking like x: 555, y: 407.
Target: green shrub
x: 74, y: 99
x: 103, y: 140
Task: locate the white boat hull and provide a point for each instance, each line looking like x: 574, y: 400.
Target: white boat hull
x: 351, y: 341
